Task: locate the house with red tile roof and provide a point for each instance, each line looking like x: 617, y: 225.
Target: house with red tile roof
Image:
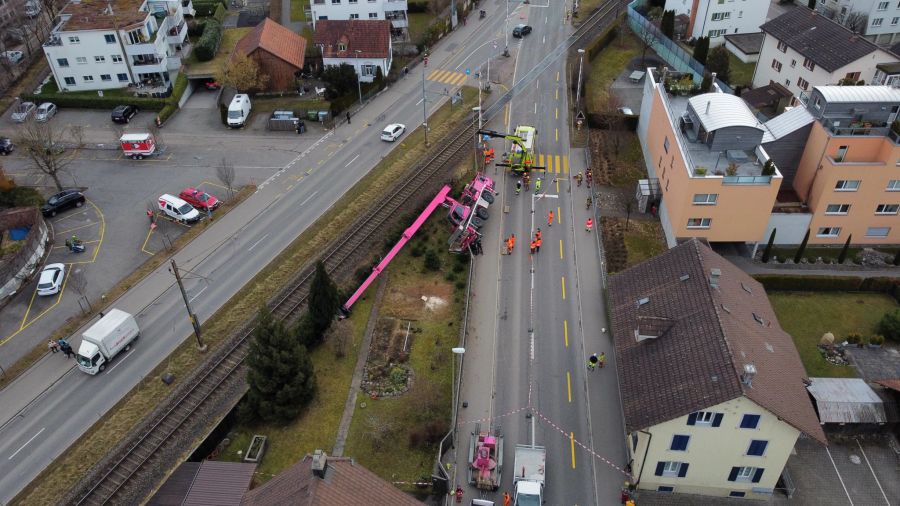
x: 713, y: 390
x: 277, y: 50
x: 364, y: 45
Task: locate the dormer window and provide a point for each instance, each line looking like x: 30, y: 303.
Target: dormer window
x: 342, y: 47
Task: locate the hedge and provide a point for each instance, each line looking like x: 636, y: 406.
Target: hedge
x: 195, y: 28
x: 799, y: 283
x: 219, y: 15
x: 209, y: 42
x: 417, y: 7
x: 83, y: 102
x: 207, y: 8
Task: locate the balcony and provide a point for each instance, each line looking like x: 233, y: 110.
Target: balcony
x: 150, y: 65
x: 54, y: 40
x: 856, y: 127
x: 177, y: 34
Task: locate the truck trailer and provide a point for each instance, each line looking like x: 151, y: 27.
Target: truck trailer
x: 102, y: 341
x: 529, y: 475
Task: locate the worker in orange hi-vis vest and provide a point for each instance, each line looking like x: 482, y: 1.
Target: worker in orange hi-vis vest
x: 533, y: 246
x: 550, y: 219
x: 537, y: 245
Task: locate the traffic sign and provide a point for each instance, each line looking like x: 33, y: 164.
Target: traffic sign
x: 468, y: 72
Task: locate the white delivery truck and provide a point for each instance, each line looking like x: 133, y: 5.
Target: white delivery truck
x: 238, y: 110
x: 105, y: 339
x: 529, y: 475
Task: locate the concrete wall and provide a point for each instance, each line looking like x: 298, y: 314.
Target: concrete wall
x: 787, y: 151
x: 791, y: 228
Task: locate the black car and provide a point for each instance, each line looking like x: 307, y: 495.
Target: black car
x: 6, y: 146
x: 62, y: 201
x: 124, y: 113
x: 521, y: 30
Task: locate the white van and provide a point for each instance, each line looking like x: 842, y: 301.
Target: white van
x: 177, y: 209
x: 238, y: 110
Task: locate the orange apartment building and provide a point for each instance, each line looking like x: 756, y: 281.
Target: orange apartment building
x: 835, y: 166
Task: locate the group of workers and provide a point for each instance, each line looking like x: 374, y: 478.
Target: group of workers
x: 536, y: 242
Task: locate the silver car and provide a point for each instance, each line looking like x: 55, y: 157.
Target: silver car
x: 13, y: 56
x: 45, y: 111
x: 23, y: 111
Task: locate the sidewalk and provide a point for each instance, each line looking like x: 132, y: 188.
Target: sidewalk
x: 751, y: 267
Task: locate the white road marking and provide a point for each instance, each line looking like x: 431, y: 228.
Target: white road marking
x: 839, y: 476
x: 198, y: 294
x: 873, y: 473
x: 26, y: 443
x: 120, y: 361
x: 420, y: 101
x: 351, y: 161
x: 313, y: 194
x: 257, y: 242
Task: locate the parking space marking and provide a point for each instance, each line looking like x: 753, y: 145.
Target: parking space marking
x: 840, y: 478
x: 873, y: 473
x: 66, y: 232
x: 146, y: 240
x: 62, y: 289
x: 212, y: 184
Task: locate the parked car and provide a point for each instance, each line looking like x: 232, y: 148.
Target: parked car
x: 61, y: 201
x: 392, y: 132
x: 45, y: 111
x: 199, y: 199
x: 211, y: 84
x: 521, y: 30
x: 177, y: 209
x: 23, y: 111
x: 6, y: 146
x: 51, y: 279
x: 123, y: 113
x: 13, y: 56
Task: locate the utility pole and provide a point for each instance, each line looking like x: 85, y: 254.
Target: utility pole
x: 358, y: 76
x: 506, y: 30
x: 187, y: 304
x: 578, y: 89
x: 424, y: 99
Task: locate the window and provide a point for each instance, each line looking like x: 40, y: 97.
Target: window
x: 882, y: 6
x: 110, y: 39
x: 707, y: 418
x: 679, y: 442
x: 894, y: 21
x: 847, y: 185
x: 782, y: 47
x: 735, y: 493
x: 841, y: 153
x: 342, y: 46
x: 323, y: 18
x: 750, y: 421
x: 88, y: 79
x: 368, y: 69
x: 373, y: 15
x: 672, y: 469
x: 752, y: 474
x: 105, y: 77
x: 740, y: 15
x: 354, y: 16
x: 666, y: 144
x: 352, y: 2
x: 699, y: 222
x: 74, y: 40
x: 818, y: 103
x: 99, y: 59
x: 335, y: 2
x: 757, y: 448
x: 776, y: 65
x: 878, y: 231
x: 62, y: 62
x: 116, y: 58
x: 808, y: 64
x: 802, y: 83
x: 665, y: 488
x: 122, y: 77
x: 721, y: 16
x: 893, y: 185
x: 787, y: 82
x: 877, y: 21
x: 716, y: 33
x: 70, y: 81
x: 793, y: 63
x: 828, y: 232
x: 837, y: 209
x: 82, y: 60
x: 705, y: 199
x: 887, y: 208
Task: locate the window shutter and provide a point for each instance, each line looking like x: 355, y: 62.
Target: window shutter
x: 682, y: 471
x: 692, y: 418
x: 659, y: 468
x: 717, y: 420
x: 733, y: 474
x: 758, y: 474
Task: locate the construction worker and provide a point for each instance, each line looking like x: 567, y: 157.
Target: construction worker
x: 592, y: 362
x: 590, y: 178
x: 537, y: 185
x: 527, y: 180
x: 507, y: 499
x: 602, y: 359
x: 509, y: 245
x: 512, y: 245
x: 537, y: 244
x: 533, y: 247
x: 589, y: 224
x: 538, y: 235
x: 550, y: 219
x: 578, y: 178
x: 588, y: 202
x: 518, y: 187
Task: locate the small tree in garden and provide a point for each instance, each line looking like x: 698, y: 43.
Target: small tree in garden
x: 718, y: 62
x: 323, y: 307
x: 667, y: 25
x: 811, y: 4
x: 889, y: 326
x: 802, y: 248
x: 843, y: 255
x: 768, y: 168
x: 701, y: 50
x: 897, y: 257
x: 768, y: 251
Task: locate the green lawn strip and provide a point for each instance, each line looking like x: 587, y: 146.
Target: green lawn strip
x: 66, y: 470
x: 741, y: 73
x: 418, y: 23
x: 643, y: 240
x: 298, y: 12
x: 604, y: 69
x: 808, y: 315
x: 230, y: 38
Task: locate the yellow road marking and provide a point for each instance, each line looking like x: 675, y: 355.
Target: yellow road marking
x: 558, y: 217
x: 557, y: 113
x: 213, y: 184
x: 560, y: 250
x: 569, y: 384
x: 564, y: 288
x: 558, y: 165
x: 144, y: 246
x: 62, y: 289
x: 565, y: 164
x: 572, y: 444
x: 557, y: 184
x: 557, y: 76
x: 557, y: 134
x: 557, y: 94
x: 66, y: 232
x: 566, y: 331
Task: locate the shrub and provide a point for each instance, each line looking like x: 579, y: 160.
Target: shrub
x: 889, y: 326
x: 417, y: 251
x: 417, y: 7
x: 219, y: 14
x: 854, y: 338
x: 209, y: 42
x: 207, y: 8
x: 195, y: 28
x: 793, y: 282
x: 432, y: 261
x: 20, y: 196
x: 460, y: 285
x: 876, y: 340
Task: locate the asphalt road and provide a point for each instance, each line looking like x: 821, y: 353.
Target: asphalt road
x: 52, y: 405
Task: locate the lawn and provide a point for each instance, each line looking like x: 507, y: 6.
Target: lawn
x: 298, y: 10
x: 628, y: 164
x: 604, y: 69
x: 741, y: 73
x: 418, y: 23
x: 230, y: 38
x: 807, y: 315
x: 643, y: 240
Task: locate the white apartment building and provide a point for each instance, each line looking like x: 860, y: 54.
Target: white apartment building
x: 343, y: 10
x: 107, y: 44
x: 798, y: 52
x: 717, y: 18
x: 877, y: 20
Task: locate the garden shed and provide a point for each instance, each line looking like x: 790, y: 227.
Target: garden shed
x: 846, y: 401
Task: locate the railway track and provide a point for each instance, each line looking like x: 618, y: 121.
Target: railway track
x: 113, y: 484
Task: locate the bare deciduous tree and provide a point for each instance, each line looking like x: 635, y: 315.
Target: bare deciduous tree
x: 78, y: 282
x: 339, y: 336
x: 44, y: 145
x: 856, y: 21
x: 225, y: 173
x: 77, y: 134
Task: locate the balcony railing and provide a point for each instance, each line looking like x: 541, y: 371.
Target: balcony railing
x: 894, y: 136
x: 53, y: 41
x: 747, y: 180
x: 153, y: 61
x: 846, y: 126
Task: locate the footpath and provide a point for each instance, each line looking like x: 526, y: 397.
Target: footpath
x: 751, y: 267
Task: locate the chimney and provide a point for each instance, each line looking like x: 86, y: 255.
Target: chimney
x: 749, y: 373
x: 714, y: 275
x: 708, y: 102
x: 319, y: 460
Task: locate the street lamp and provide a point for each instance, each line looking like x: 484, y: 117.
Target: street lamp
x: 456, y: 386
x: 578, y: 89
x: 358, y: 75
x: 506, y: 30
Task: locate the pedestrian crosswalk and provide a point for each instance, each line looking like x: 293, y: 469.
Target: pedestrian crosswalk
x: 446, y: 77
x: 556, y: 164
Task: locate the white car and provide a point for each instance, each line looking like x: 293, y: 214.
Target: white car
x: 13, y: 56
x: 23, y: 111
x: 393, y: 132
x: 51, y: 279
x: 45, y: 111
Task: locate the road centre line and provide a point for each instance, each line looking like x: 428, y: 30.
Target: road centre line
x: 560, y: 250
x: 566, y: 331
x: 351, y: 161
x: 26, y: 443
x: 311, y: 195
x: 873, y: 473
x: 198, y: 294
x: 564, y: 288
x: 569, y: 384
x: 257, y: 242
x: 572, y: 444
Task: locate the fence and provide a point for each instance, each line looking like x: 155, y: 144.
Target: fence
x: 666, y: 48
x: 22, y: 263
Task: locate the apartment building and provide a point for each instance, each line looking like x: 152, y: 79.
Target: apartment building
x: 717, y: 18
x: 802, y: 49
x: 713, y: 389
x: 103, y: 44
x: 343, y: 10
x: 877, y: 20
x: 364, y: 45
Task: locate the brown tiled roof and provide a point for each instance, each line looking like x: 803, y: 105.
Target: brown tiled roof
x: 371, y: 37
x: 96, y: 15
x: 276, y: 40
x: 893, y: 384
x: 207, y: 483
x: 346, y: 483
x: 710, y: 334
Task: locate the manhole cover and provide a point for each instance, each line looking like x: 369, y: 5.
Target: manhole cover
x: 855, y: 459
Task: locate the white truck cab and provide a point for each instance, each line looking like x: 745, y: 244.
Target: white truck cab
x: 238, y: 110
